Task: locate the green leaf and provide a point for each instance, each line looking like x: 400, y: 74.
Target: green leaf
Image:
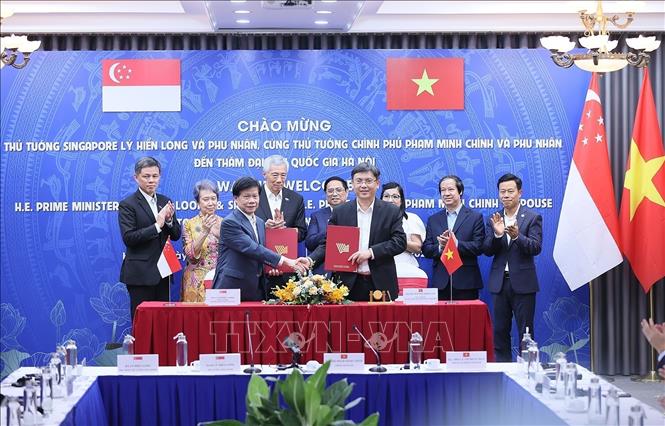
x: 372, y: 420
x: 324, y: 417
x: 312, y: 402
x: 288, y: 418
x: 293, y: 391
x: 12, y: 361
x: 318, y: 379
x: 337, y: 393
x: 256, y: 389
x: 579, y: 344
x: 353, y: 403
x: 221, y: 423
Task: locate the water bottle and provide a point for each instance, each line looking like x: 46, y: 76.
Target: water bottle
x: 533, y: 360
x: 637, y: 416
x: 128, y: 345
x: 71, y: 353
x: 46, y: 390
x: 560, y: 361
x: 13, y: 411
x: 30, y: 415
x: 415, y: 351
x: 524, y: 345
x: 57, y: 375
x: 570, y: 385
x: 180, y: 350
x: 595, y: 413
x: 612, y: 408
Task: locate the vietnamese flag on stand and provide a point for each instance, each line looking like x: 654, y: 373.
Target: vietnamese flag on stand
x: 643, y: 200
x: 168, y: 263
x: 131, y: 85
x: 450, y: 256
x: 425, y: 83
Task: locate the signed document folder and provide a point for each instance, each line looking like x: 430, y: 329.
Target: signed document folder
x: 283, y: 241
x: 341, y: 242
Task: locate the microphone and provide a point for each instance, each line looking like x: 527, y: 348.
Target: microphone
x: 292, y: 346
x: 378, y: 368
x: 251, y: 369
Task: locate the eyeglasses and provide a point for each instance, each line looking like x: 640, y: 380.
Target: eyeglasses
x: 393, y: 197
x: 367, y: 181
x: 335, y: 190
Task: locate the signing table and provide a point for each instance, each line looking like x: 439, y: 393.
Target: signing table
x: 498, y: 395
x: 458, y: 326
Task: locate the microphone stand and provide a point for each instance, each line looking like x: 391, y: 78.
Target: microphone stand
x: 295, y: 355
x: 251, y: 369
x: 378, y: 368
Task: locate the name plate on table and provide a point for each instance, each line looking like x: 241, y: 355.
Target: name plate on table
x: 223, y: 296
x: 219, y: 363
x: 148, y: 363
x: 345, y: 362
x: 466, y: 361
x: 420, y: 296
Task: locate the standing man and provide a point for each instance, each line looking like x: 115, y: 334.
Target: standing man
x: 381, y: 237
x: 280, y: 207
x: 147, y: 219
x: 513, y: 236
x: 337, y: 191
x: 468, y: 229
x: 241, y: 250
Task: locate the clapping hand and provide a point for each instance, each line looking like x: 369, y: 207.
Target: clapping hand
x: 165, y: 214
x: 277, y: 221
x: 443, y: 238
x: 513, y: 231
x: 498, y: 224
x: 208, y: 223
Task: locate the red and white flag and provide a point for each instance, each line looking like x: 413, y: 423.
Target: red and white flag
x: 168, y: 263
x: 425, y: 84
x: 587, y: 238
x: 132, y: 85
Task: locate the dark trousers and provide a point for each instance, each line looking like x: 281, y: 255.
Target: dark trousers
x: 506, y: 304
x: 145, y: 293
x: 458, y: 294
x: 361, y: 288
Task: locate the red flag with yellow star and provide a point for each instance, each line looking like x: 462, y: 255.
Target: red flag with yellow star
x: 643, y: 200
x: 425, y: 83
x: 450, y: 256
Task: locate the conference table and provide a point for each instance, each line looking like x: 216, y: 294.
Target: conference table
x: 498, y: 394
x: 317, y: 329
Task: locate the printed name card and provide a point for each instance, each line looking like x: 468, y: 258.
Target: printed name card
x: 466, y: 361
x: 420, y: 296
x: 222, y: 296
x: 345, y: 362
x: 219, y: 363
x: 148, y: 363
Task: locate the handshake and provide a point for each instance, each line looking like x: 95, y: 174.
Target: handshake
x: 301, y: 265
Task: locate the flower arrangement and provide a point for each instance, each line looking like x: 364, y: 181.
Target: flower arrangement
x: 310, y: 290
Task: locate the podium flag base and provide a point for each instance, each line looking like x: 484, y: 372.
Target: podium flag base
x: 650, y: 377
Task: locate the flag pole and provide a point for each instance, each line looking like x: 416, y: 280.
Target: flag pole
x: 451, y: 288
x: 651, y: 376
x: 592, y: 352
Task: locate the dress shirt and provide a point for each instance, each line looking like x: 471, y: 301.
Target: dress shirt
x: 252, y: 220
x: 508, y: 221
x: 152, y: 202
x: 451, y: 217
x: 274, y: 201
x: 365, y: 225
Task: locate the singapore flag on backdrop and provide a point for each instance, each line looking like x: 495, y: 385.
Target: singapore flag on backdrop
x: 132, y: 85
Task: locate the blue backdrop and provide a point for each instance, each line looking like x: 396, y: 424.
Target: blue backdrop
x: 60, y: 269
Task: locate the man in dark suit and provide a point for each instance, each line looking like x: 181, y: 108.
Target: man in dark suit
x: 381, y: 236
x: 468, y: 229
x: 147, y: 220
x: 241, y: 248
x: 337, y: 191
x: 280, y: 207
x: 514, y: 237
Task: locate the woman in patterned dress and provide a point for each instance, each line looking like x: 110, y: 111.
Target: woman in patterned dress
x: 200, y: 239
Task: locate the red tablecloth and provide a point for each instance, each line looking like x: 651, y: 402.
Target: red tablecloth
x: 462, y: 326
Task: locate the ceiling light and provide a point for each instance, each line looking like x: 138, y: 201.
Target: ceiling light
x: 599, y: 56
x: 242, y: 21
x: 11, y: 46
x: 242, y: 12
x: 321, y: 22
x: 323, y: 12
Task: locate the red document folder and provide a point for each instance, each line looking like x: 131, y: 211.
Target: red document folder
x: 284, y: 241
x: 341, y: 242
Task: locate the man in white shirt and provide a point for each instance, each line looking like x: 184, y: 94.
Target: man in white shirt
x: 147, y: 219
x: 381, y: 237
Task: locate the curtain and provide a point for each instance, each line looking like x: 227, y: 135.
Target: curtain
x: 617, y: 300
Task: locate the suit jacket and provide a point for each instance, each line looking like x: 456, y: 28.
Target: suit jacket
x: 144, y: 243
x: 316, y: 232
x: 661, y: 363
x: 241, y: 256
x: 386, y: 239
x: 293, y: 209
x: 519, y: 254
x: 469, y: 229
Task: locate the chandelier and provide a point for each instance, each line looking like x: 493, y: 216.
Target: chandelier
x: 12, y: 47
x: 600, y: 56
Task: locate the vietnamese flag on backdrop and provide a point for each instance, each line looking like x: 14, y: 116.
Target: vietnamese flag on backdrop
x: 643, y: 199
x: 132, y: 85
x: 425, y: 84
x: 450, y: 256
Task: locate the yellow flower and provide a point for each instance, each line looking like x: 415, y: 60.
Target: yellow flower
x: 344, y: 289
x: 326, y: 286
